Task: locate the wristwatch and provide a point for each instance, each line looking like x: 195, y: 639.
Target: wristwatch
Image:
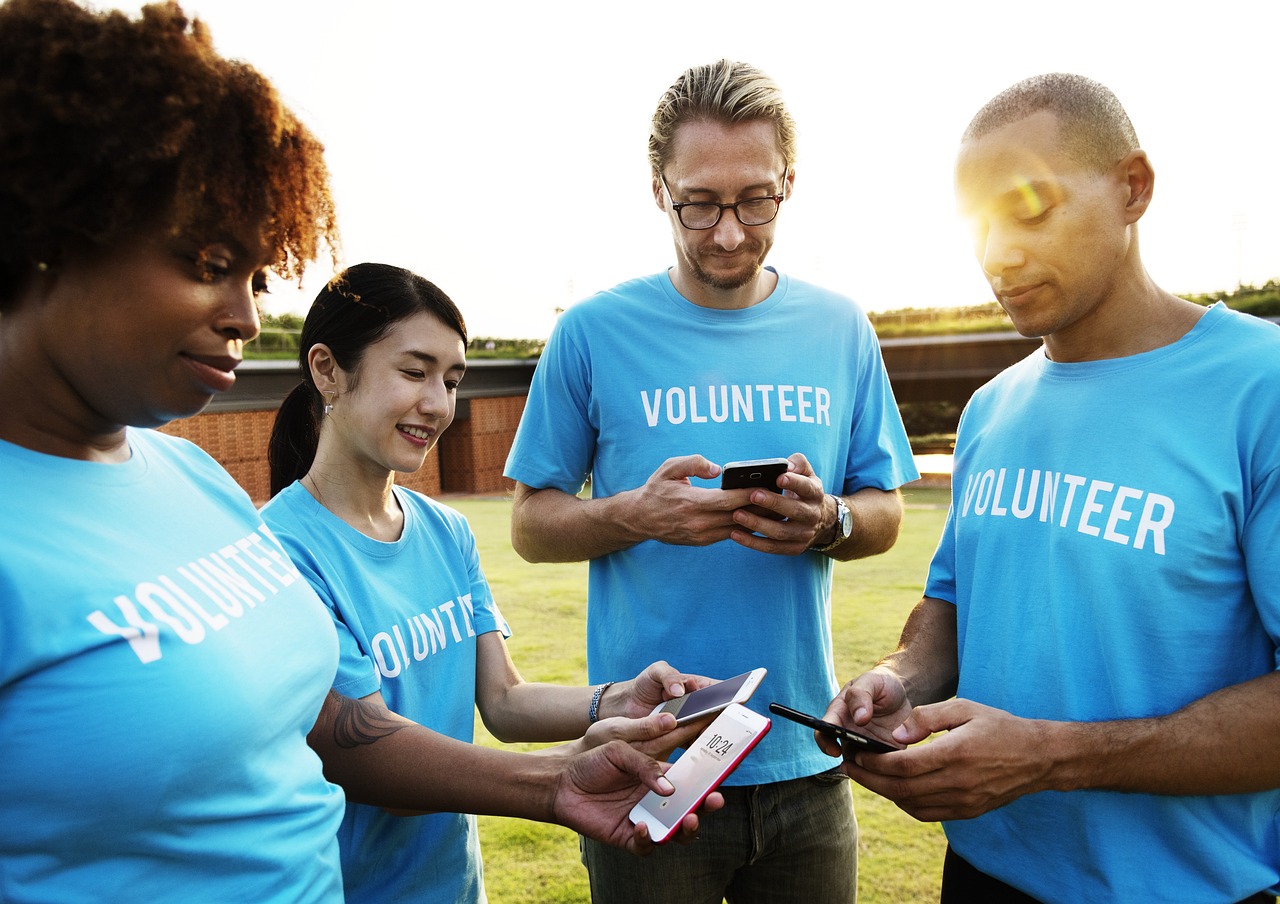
x: 844, y: 525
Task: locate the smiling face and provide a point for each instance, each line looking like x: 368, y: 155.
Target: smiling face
x: 1054, y: 236
x: 136, y: 335
x: 722, y: 163
x: 390, y: 412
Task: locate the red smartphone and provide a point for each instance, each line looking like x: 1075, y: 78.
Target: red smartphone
x: 706, y: 763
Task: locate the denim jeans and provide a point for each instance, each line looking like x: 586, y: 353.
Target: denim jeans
x: 794, y: 841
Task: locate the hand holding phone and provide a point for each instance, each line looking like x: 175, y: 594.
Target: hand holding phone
x: 712, y: 698
x: 758, y: 472
x: 850, y: 741
x: 706, y: 763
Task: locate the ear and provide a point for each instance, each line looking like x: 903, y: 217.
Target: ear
x: 324, y: 368
x: 789, y: 184
x: 659, y: 196
x: 1139, y: 181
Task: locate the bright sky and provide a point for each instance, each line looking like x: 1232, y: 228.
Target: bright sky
x: 498, y: 148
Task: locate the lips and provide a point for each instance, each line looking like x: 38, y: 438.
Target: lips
x: 217, y: 372
x: 420, y: 435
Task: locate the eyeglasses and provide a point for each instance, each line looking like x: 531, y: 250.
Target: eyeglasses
x: 749, y: 211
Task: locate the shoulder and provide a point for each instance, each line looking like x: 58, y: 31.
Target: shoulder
x: 182, y: 455
x: 433, y: 513
x: 283, y: 505
x: 1246, y: 330
x: 823, y: 304
x: 812, y: 292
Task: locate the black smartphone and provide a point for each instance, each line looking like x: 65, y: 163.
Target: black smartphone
x: 759, y: 472
x: 845, y: 735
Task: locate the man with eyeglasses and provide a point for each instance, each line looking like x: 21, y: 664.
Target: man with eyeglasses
x: 648, y: 389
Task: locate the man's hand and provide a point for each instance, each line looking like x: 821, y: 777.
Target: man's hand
x: 598, y: 788
x: 874, y: 703
x: 670, y: 509
x: 802, y: 503
x: 986, y: 759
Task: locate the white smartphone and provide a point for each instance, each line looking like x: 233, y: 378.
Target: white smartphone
x: 700, y: 769
x: 712, y: 698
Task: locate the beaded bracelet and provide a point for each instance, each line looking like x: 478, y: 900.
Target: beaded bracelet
x: 593, y: 714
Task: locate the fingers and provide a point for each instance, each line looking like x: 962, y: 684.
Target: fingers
x: 934, y: 717
x: 683, y: 467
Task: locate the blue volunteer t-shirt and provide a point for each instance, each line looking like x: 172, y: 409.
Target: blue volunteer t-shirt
x: 1113, y: 550
x: 637, y: 375
x: 408, y: 614
x: 161, y: 662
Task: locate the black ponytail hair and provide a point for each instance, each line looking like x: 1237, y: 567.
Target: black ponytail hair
x: 357, y: 308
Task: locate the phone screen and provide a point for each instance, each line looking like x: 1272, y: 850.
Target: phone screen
x: 702, y: 767
x: 712, y: 697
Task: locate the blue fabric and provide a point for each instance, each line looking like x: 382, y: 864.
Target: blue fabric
x: 161, y: 662
x: 638, y: 374
x: 1113, y: 551
x: 408, y: 614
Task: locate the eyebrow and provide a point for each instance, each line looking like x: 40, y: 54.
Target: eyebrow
x: 427, y: 358
x: 1030, y: 192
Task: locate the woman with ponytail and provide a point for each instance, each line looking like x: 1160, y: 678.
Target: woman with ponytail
x: 382, y: 352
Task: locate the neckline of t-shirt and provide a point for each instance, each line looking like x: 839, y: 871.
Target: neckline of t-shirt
x: 1085, y: 370
x: 725, y: 315
x: 362, y: 541
x: 129, y: 472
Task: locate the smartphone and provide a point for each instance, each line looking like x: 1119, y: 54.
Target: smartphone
x: 700, y: 769
x: 759, y: 472
x: 850, y: 741
x: 712, y: 698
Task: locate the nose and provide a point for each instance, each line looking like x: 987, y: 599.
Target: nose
x: 729, y: 232
x: 999, y: 252
x: 436, y: 401
x: 238, y: 315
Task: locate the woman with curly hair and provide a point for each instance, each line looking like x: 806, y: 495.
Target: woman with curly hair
x: 164, y: 670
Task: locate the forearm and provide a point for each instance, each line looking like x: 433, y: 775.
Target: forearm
x: 548, y: 525
x: 532, y: 711
x: 876, y: 516
x: 1224, y: 743
x: 927, y: 659
x: 382, y: 759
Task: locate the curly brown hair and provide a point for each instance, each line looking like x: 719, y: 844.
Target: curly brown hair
x: 110, y: 125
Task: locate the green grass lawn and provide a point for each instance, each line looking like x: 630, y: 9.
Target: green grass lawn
x: 900, y: 860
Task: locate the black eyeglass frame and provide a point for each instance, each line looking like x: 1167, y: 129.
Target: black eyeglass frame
x: 679, y: 206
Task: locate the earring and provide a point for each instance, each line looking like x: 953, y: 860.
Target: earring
x: 329, y: 397
x: 42, y: 266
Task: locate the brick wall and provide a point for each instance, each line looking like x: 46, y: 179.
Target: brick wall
x: 474, y: 449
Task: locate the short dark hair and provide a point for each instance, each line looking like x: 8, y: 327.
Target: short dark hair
x: 357, y: 308
x: 111, y: 125
x: 1094, y: 125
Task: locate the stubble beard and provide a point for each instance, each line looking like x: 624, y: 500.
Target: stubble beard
x: 724, y: 282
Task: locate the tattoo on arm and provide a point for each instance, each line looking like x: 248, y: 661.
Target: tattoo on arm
x: 357, y: 723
